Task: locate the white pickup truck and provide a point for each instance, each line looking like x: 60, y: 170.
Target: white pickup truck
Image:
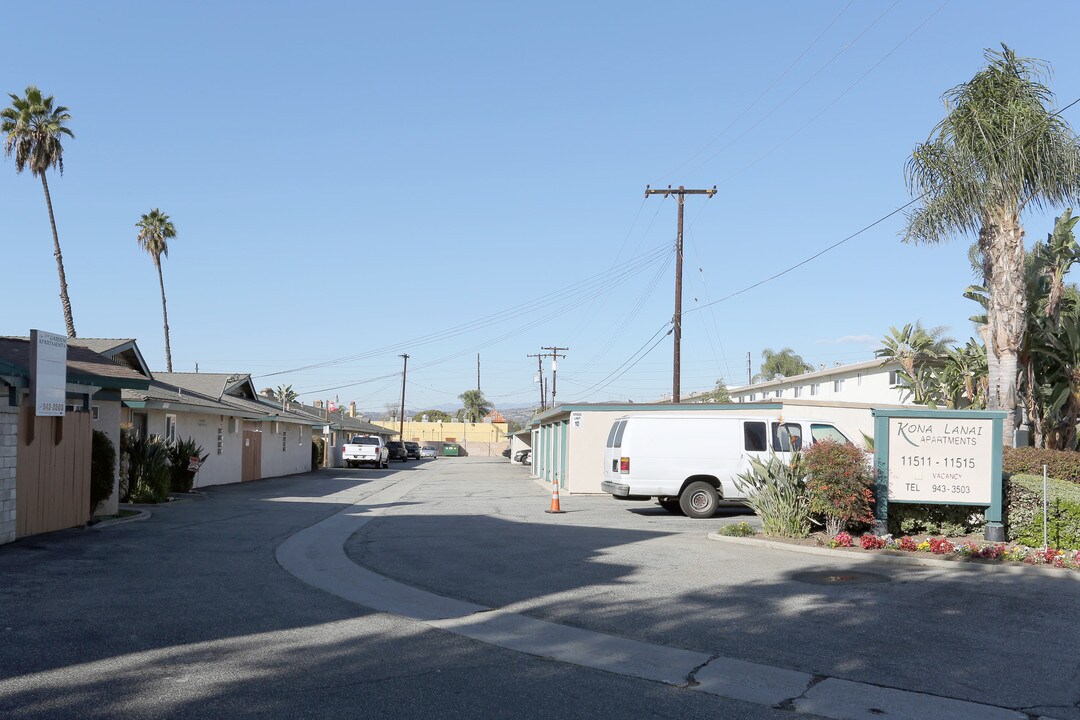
x: 365, y: 449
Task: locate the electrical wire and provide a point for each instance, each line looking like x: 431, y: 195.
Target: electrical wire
x: 765, y: 92
x: 859, y: 232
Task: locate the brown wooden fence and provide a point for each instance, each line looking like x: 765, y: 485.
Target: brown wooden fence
x: 52, y: 477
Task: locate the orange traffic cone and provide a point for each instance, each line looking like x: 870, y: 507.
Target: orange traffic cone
x: 555, y: 498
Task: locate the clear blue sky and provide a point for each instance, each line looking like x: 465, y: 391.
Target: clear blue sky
x: 359, y: 180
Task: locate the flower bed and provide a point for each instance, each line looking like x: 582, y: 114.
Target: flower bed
x: 1069, y: 559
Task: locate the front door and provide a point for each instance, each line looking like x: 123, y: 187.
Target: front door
x: 251, y: 466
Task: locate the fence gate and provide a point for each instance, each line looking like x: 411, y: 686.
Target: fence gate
x: 251, y: 467
x: 52, y: 475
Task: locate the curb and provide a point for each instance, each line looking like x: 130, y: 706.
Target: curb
x: 959, y: 563
x: 139, y: 515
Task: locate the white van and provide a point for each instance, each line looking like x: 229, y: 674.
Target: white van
x: 688, y: 461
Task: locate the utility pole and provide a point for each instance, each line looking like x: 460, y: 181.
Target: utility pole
x: 401, y: 417
x: 681, y: 194
x: 477, y: 372
x: 748, y: 379
x: 540, y: 376
x: 554, y: 367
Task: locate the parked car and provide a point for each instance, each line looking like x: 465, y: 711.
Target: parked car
x: 523, y: 456
x: 397, y: 450
x: 412, y: 449
x: 506, y: 452
x: 428, y: 452
x: 689, y: 462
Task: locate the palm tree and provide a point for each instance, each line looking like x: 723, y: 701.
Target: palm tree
x: 917, y: 351
x: 476, y: 406
x: 782, y: 363
x: 999, y: 151
x: 285, y: 394
x: 155, y: 230
x: 33, y: 127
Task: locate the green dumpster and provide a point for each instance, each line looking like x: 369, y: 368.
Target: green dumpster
x: 451, y: 450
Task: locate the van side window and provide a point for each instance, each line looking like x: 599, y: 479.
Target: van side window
x: 827, y: 432
x: 754, y: 436
x: 619, y: 433
x: 786, y: 437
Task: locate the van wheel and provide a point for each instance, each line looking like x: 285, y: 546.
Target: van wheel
x: 699, y: 500
x: 672, y: 506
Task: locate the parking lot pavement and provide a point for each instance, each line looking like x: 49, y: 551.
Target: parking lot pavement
x: 476, y: 531
x: 188, y: 615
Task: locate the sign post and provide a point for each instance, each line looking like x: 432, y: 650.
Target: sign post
x: 939, y: 457
x: 48, y: 368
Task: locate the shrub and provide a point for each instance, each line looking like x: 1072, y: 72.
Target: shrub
x: 1024, y: 516
x: 777, y: 493
x: 840, y: 484
x: 741, y: 529
x: 317, y: 445
x: 180, y: 454
x: 102, y: 465
x: 148, y: 470
x: 949, y: 520
x: 1060, y: 464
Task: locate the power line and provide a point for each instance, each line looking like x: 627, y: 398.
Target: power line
x: 589, y: 286
x: 862, y: 230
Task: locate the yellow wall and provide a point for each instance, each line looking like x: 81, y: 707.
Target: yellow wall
x: 448, y: 431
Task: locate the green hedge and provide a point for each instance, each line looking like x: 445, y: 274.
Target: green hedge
x: 1024, y: 516
x: 1061, y: 464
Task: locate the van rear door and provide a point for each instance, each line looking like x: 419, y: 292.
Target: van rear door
x: 613, y: 448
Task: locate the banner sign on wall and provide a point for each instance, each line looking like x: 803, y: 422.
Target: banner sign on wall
x: 48, y: 373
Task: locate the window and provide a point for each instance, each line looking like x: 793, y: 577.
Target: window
x: 838, y: 385
x: 858, y: 379
x: 778, y: 393
x: 827, y: 432
x: 815, y: 389
x: 753, y: 397
x: 894, y: 378
x: 611, y: 433
x: 170, y: 428
x: 786, y: 436
x: 754, y: 436
x: 619, y: 434
x: 300, y: 436
x: 798, y: 391
x: 233, y: 425
x: 284, y: 440
x: 220, y: 439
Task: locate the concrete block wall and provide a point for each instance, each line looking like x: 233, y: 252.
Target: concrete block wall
x: 9, y: 433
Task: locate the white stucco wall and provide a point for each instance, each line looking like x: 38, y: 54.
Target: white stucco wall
x: 289, y: 457
x: 108, y: 422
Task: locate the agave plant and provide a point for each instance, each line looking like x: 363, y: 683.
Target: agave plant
x: 776, y: 490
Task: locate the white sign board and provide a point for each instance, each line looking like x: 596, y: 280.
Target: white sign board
x: 48, y: 373
x: 577, y: 420
x: 940, y: 460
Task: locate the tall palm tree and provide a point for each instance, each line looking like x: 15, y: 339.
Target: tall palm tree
x: 999, y: 151
x: 781, y: 363
x: 33, y: 127
x: 155, y: 230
